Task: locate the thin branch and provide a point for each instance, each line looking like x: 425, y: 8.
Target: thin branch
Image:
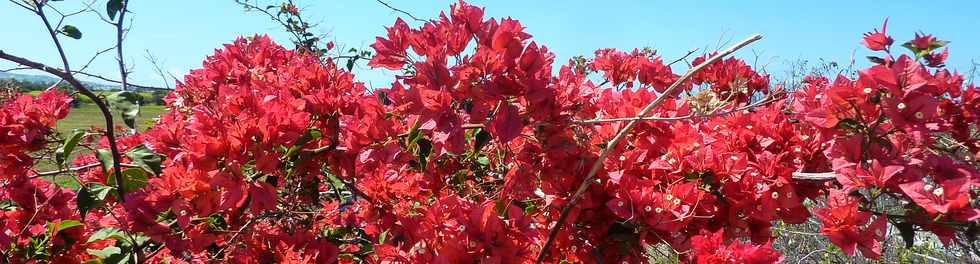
x: 402, y: 11
x: 83, y: 167
x: 90, y: 60
x: 156, y: 66
x: 16, y: 69
x: 22, y: 5
x: 118, y: 82
x: 814, y: 176
x: 683, y: 57
x: 680, y: 118
x: 622, y: 134
x: 119, y: 45
x: 231, y: 240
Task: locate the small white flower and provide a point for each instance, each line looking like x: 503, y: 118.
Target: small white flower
x: 677, y: 201
x: 775, y: 195
x: 938, y: 191
x: 658, y: 210
x: 620, y: 203
x: 748, y: 126
x: 901, y: 106
x: 622, y: 158
x: 798, y: 149
x: 927, y: 187
x: 669, y: 197
x: 734, y: 157
x: 648, y: 208
x: 804, y: 137
x: 919, y: 115
x: 818, y: 96
x: 867, y: 90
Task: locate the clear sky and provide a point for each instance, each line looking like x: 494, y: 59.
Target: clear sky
x: 180, y: 33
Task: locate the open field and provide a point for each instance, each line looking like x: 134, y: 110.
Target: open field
x: 88, y: 115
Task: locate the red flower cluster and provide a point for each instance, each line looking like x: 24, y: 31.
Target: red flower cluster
x: 36, y: 216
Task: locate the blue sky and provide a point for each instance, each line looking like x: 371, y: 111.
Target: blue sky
x: 180, y: 33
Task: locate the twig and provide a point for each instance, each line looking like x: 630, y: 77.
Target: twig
x: 401, y: 11
x: 622, y: 133
x: 678, y: 118
x: 156, y: 66
x: 83, y: 167
x: 119, y: 45
x: 231, y: 240
x: 814, y: 176
x: 119, y: 82
x: 683, y: 57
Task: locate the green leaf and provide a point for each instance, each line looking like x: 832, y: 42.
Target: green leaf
x: 112, y: 8
x: 105, y: 158
x: 65, y: 150
x: 424, y: 149
x: 68, y: 224
x: 383, y: 237
x: 876, y: 60
x: 105, y: 252
x: 350, y: 63
x: 133, y: 179
x: 482, y: 138
x: 935, y: 44
x: 107, y: 233
x: 146, y: 159
x: 70, y: 31
x: 90, y: 197
x: 128, y: 104
x: 908, y: 233
x: 911, y: 47
x: 118, y: 258
x: 7, y: 205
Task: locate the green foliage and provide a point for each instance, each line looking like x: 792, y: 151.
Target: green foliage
x: 71, y: 32
x: 128, y: 104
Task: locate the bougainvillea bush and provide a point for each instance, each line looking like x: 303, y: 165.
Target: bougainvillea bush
x: 269, y: 155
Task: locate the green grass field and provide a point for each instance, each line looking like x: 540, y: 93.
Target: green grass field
x: 88, y: 116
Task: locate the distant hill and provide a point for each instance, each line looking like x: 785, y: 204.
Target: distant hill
x: 48, y: 80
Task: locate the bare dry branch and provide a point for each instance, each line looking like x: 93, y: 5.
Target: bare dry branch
x: 402, y: 11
